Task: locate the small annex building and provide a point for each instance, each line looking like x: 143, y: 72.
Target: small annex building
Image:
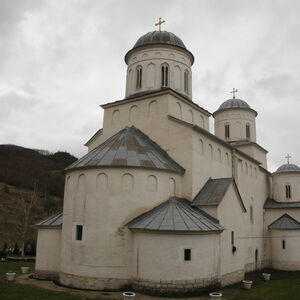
x: 161, y: 204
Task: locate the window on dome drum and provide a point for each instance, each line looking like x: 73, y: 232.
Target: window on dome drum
x: 139, y: 77
x: 227, y: 131
x: 164, y: 75
x: 186, y: 81
x: 283, y: 244
x: 187, y: 254
x: 79, y: 230
x: 288, y: 191
x: 248, y: 131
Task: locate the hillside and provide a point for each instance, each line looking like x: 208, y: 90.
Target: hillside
x: 31, y: 189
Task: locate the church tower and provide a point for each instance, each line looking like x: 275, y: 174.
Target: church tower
x: 159, y: 59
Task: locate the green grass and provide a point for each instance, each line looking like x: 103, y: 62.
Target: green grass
x: 275, y: 290
x: 15, y: 291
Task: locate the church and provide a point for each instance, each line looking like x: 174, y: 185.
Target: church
x: 162, y: 205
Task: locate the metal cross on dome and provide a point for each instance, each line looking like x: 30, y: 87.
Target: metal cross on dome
x: 288, y: 158
x: 233, y: 93
x: 159, y: 23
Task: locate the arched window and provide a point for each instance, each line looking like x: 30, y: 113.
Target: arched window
x: 139, y: 77
x: 288, y: 193
x: 186, y: 81
x: 227, y: 131
x: 164, y: 75
x: 248, y: 131
x: 251, y: 213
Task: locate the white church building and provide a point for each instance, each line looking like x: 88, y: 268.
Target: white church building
x: 161, y: 204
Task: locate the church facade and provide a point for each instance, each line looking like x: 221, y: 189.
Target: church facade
x: 162, y: 204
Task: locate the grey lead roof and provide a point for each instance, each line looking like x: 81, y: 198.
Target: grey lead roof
x: 128, y: 148
x: 233, y: 104
x: 285, y: 222
x: 272, y: 204
x: 288, y: 168
x: 176, y: 214
x: 55, y: 220
x: 214, y: 191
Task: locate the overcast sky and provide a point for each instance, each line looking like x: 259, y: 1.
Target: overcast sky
x: 61, y: 59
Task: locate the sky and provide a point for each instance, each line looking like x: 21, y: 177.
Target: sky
x: 61, y: 59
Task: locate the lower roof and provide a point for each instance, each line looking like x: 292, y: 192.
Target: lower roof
x: 52, y: 221
x: 177, y: 215
x: 272, y: 204
x: 285, y: 222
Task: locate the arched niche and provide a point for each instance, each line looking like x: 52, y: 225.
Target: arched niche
x: 150, y: 75
x: 115, y: 116
x: 133, y: 113
x: 80, y: 199
x: 102, y: 182
x: 177, y: 78
x: 178, y: 110
x: 201, y: 146
x: 227, y: 159
x: 127, y: 182
x: 211, y: 151
x: 152, y: 183
x: 219, y: 155
x: 153, y: 108
x: 172, y: 186
x: 238, y: 130
x: 190, y: 116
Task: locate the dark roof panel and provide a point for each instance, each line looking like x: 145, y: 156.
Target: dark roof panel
x: 288, y: 168
x: 128, y: 148
x: 272, y: 204
x: 214, y: 191
x: 285, y: 222
x: 234, y: 104
x: 55, y: 220
x: 176, y: 214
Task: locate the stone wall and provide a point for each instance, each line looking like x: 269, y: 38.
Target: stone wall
x: 45, y: 275
x: 92, y: 283
x: 175, y: 287
x: 233, y: 277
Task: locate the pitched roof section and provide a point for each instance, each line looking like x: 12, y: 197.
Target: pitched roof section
x: 176, y: 214
x: 55, y: 220
x: 128, y: 148
x: 285, y: 222
x: 272, y: 204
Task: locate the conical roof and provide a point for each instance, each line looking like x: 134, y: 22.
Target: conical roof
x: 128, y: 148
x: 175, y: 214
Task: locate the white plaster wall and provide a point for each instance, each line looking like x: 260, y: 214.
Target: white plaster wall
x: 151, y: 58
x: 160, y: 256
x: 237, y: 120
x: 288, y: 258
x: 110, y: 198
x: 280, y: 180
x: 48, y: 249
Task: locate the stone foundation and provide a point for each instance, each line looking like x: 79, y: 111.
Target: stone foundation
x: 175, y: 287
x: 249, y: 267
x: 93, y: 283
x: 233, y: 277
x: 285, y: 265
x: 45, y: 275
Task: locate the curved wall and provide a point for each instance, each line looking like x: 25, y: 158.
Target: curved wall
x: 237, y: 119
x: 280, y: 180
x: 104, y: 201
x: 151, y: 59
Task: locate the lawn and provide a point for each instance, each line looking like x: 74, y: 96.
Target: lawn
x: 15, y: 291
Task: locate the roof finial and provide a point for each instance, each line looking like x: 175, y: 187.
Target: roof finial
x: 159, y: 23
x: 233, y: 93
x: 288, y: 158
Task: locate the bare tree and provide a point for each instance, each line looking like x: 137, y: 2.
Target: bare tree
x: 26, y: 208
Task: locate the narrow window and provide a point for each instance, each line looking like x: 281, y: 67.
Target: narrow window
x: 186, y: 81
x: 251, y: 213
x: 248, y: 131
x: 288, y: 191
x: 187, y: 254
x: 227, y: 131
x: 283, y: 244
x: 164, y: 75
x: 79, y: 229
x: 139, y: 77
x: 232, y: 238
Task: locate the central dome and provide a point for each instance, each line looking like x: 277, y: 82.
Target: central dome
x: 159, y: 38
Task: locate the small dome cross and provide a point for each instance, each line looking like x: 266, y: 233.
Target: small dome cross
x: 159, y: 23
x: 233, y: 93
x: 288, y: 158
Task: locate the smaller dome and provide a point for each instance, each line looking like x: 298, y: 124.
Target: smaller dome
x: 288, y: 168
x: 234, y: 104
